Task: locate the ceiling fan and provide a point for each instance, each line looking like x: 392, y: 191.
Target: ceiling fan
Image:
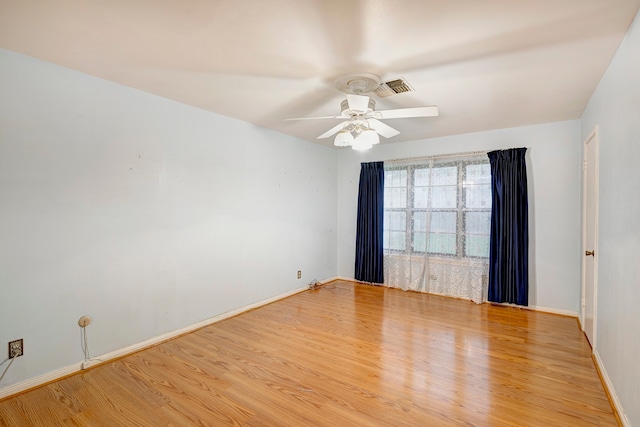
x: 361, y: 123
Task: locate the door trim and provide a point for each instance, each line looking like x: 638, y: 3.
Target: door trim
x: 595, y: 139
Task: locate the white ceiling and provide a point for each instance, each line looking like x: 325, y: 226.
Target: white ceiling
x: 486, y: 64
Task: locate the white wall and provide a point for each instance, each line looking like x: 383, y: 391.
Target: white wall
x: 615, y: 108
x: 553, y: 168
x: 143, y: 213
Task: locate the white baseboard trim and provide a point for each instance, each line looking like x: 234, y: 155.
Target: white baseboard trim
x: 560, y: 311
x: 358, y: 282
x: 39, y: 380
x: 346, y: 279
x: 97, y: 360
x: 612, y: 391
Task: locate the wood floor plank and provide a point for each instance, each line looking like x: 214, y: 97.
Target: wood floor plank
x: 344, y: 354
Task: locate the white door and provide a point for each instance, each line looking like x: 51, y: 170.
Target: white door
x: 590, y: 237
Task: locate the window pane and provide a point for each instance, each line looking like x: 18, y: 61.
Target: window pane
x: 443, y: 222
x: 447, y: 175
x: 395, y: 188
x: 420, y: 197
x: 395, y: 220
x: 442, y: 244
x: 477, y: 196
x: 420, y: 221
x: 477, y: 228
x: 395, y: 197
x: 478, y: 174
x: 477, y: 222
x: 395, y: 178
x: 444, y: 197
x: 476, y: 245
x: 444, y: 193
x: 396, y: 240
x: 421, y: 189
x: 477, y: 188
x: 438, y: 243
x: 440, y: 222
x: 421, y: 177
x: 419, y: 241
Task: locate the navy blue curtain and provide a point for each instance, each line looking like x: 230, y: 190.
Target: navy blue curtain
x: 509, y: 247
x: 369, y: 251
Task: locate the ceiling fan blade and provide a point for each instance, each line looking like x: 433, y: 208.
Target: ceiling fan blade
x: 358, y: 102
x: 382, y: 128
x: 315, y: 118
x: 333, y: 130
x: 399, y: 113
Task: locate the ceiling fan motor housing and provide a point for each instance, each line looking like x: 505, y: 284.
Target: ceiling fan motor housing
x: 358, y: 83
x: 344, y: 107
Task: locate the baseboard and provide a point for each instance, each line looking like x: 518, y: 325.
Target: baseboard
x: 331, y: 279
x: 559, y: 311
x: 344, y: 279
x: 580, y: 323
x: 121, y: 352
x: 611, y: 392
x: 34, y: 382
x: 357, y: 282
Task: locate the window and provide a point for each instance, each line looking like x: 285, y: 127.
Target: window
x: 442, y: 207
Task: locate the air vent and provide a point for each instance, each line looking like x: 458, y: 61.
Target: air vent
x: 393, y: 87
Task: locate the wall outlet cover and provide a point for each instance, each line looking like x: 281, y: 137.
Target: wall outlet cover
x: 16, y: 348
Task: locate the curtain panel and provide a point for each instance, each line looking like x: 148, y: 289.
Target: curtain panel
x: 509, y: 252
x: 369, y: 227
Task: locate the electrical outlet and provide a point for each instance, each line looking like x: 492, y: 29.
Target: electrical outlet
x: 16, y: 348
x: 299, y: 274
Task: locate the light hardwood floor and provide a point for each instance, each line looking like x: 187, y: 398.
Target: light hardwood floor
x: 343, y: 355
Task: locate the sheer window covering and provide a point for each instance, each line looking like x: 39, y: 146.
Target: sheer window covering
x: 437, y: 225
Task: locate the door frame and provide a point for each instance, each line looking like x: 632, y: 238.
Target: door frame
x: 593, y: 138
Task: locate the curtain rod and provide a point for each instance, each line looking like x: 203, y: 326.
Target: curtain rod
x: 437, y: 156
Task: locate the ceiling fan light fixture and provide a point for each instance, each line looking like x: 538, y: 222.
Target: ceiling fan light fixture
x: 370, y: 136
x: 362, y: 143
x: 359, y: 145
x: 344, y: 138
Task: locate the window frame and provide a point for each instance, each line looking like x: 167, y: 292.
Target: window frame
x: 460, y: 209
